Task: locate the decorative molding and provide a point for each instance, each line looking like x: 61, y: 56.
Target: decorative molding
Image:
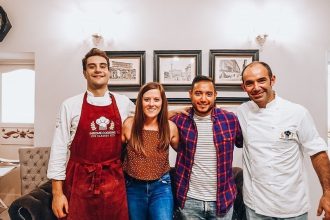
x: 19, y: 133
x: 16, y: 134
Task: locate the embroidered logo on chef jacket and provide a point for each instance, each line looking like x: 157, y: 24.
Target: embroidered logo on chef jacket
x: 102, y: 127
x: 58, y: 123
x: 288, y: 135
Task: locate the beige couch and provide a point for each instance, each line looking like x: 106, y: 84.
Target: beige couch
x: 35, y: 202
x: 33, y: 167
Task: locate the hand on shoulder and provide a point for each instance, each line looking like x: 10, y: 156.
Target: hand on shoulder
x: 183, y: 110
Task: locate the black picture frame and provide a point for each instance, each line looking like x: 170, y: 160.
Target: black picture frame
x: 5, y: 24
x: 226, y: 66
x: 175, y: 69
x: 127, y: 70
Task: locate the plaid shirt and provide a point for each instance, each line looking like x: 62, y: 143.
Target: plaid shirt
x: 226, y: 134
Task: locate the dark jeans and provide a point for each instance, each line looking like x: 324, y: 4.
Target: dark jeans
x: 197, y: 209
x: 150, y: 199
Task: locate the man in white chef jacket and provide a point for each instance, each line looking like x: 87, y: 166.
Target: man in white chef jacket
x: 276, y: 134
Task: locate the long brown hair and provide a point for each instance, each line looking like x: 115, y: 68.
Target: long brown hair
x: 136, y: 140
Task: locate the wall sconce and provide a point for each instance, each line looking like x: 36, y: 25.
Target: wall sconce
x: 97, y: 39
x: 261, y: 39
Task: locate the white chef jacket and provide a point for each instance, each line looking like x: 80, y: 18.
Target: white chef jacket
x: 67, y: 123
x: 275, y: 138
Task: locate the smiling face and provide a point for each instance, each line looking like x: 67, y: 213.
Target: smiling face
x: 203, y: 96
x: 97, y: 73
x: 151, y: 103
x: 258, y: 84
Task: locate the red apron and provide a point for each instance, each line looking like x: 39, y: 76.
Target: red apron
x: 95, y: 185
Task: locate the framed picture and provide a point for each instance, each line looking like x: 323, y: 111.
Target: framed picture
x: 226, y: 65
x: 175, y: 69
x: 127, y: 70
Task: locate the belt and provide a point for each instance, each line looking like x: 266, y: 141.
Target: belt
x: 141, y: 181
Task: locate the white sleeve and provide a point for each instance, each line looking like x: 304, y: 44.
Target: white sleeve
x: 59, y: 150
x: 309, y: 137
x: 125, y: 105
x: 131, y: 107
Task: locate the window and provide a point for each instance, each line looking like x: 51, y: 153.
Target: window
x: 17, y: 92
x: 17, y: 88
x: 17, y: 96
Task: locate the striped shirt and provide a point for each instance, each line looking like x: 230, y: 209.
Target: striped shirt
x: 205, y: 163
x: 226, y: 134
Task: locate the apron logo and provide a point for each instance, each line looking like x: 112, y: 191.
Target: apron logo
x: 102, y: 123
x: 102, y: 127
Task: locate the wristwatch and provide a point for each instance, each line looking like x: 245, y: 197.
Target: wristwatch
x: 4, y: 24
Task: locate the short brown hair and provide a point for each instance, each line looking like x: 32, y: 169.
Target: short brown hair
x: 200, y: 78
x: 95, y: 52
x: 267, y: 67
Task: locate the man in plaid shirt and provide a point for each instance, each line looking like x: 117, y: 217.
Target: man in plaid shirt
x: 204, y: 183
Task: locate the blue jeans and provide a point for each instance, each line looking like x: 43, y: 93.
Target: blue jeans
x: 252, y: 215
x: 150, y: 199
x: 197, y: 209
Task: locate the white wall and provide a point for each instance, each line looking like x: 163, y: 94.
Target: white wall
x: 57, y: 32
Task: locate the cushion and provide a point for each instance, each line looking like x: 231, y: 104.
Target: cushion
x: 35, y: 205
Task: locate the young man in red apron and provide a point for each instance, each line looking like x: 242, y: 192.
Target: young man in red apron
x: 91, y: 184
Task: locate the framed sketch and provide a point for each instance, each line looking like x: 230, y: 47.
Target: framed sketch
x: 175, y: 69
x: 127, y: 70
x: 226, y: 65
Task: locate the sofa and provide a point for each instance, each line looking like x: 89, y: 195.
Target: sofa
x: 239, y: 207
x: 33, y: 167
x: 35, y: 201
x: 35, y: 205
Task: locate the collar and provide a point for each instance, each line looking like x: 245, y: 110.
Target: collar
x: 207, y: 117
x: 191, y: 112
x: 106, y: 94
x: 270, y: 105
